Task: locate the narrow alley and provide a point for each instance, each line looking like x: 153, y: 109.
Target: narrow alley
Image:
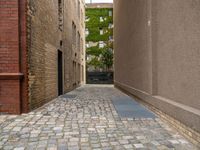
x: 86, y: 119
x: 52, y: 51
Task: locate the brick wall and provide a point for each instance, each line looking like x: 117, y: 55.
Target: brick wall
x: 74, y: 54
x: 30, y: 37
x: 9, y: 36
x: 9, y: 57
x: 49, y: 23
x: 43, y: 43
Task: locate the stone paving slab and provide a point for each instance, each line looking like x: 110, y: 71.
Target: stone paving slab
x: 87, y: 122
x: 127, y: 107
x: 68, y: 96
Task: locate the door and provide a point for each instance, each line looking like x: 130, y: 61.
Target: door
x: 60, y: 73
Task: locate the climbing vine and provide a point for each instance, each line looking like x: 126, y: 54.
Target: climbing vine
x: 98, y: 19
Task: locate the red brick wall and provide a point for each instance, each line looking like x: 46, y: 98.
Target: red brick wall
x: 9, y: 36
x: 10, y: 46
x: 9, y: 96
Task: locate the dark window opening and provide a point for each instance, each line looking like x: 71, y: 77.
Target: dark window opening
x: 60, y: 15
x: 60, y: 73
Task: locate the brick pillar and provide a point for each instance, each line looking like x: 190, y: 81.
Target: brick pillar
x: 11, y: 77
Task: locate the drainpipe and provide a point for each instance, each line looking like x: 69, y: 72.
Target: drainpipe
x: 23, y: 56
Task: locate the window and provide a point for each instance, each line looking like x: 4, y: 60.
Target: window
x: 79, y: 9
x: 73, y: 33
x: 82, y: 48
x: 110, y: 13
x: 101, y: 31
x: 79, y: 72
x: 74, y: 73
x: 101, y: 44
x: 82, y: 21
x: 82, y: 73
x: 79, y: 42
x: 87, y: 32
x: 101, y: 19
x: 87, y: 18
x: 110, y: 25
x: 60, y: 15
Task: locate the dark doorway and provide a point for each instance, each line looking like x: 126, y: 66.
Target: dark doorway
x: 60, y: 73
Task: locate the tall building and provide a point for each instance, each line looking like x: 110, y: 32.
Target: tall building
x: 42, y: 51
x: 99, y: 36
x: 157, y: 57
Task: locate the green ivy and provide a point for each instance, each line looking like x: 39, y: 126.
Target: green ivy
x: 103, y: 57
x: 95, y: 51
x: 95, y: 62
x: 94, y: 35
x: 98, y: 12
x: 94, y: 24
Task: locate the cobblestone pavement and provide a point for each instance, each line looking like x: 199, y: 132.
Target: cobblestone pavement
x: 85, y: 120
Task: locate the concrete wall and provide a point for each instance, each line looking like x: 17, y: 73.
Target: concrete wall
x: 99, y: 5
x: 157, y: 55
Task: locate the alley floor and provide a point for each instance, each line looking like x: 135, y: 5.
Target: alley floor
x: 86, y: 119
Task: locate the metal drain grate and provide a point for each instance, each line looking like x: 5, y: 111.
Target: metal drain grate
x: 69, y: 96
x: 127, y: 107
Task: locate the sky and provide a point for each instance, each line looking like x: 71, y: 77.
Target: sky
x: 99, y: 1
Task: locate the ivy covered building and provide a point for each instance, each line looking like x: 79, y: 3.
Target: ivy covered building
x: 99, y: 37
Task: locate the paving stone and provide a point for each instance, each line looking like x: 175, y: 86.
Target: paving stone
x: 16, y: 129
x: 138, y: 145
x: 19, y: 148
x: 129, y: 146
x: 89, y: 121
x: 52, y: 148
x: 62, y: 147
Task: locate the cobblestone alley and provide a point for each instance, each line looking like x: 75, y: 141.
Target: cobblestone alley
x: 86, y: 119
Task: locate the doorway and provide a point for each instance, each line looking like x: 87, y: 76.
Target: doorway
x: 60, y: 73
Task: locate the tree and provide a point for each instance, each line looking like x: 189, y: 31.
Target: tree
x: 95, y: 63
x: 107, y: 58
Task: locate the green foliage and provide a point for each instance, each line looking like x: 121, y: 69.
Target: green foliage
x: 95, y: 51
x: 94, y: 35
x: 97, y: 12
x: 107, y: 58
x: 95, y: 62
x: 102, y: 57
x: 94, y: 24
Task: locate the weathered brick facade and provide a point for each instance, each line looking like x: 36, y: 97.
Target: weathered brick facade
x: 32, y: 33
x: 75, y: 55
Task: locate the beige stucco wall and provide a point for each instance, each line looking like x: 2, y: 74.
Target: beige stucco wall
x: 132, y: 57
x: 178, y: 51
x: 157, y: 56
